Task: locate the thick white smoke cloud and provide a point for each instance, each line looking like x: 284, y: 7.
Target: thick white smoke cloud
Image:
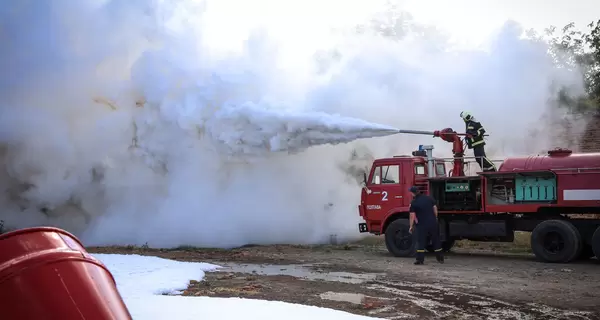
x: 127, y: 122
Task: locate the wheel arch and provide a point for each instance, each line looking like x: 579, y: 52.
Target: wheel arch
x: 392, y: 216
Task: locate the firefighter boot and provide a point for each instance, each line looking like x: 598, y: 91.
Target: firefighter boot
x: 439, y: 257
x: 420, y: 257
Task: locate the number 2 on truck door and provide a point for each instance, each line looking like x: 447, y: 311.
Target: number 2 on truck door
x: 384, y: 195
x: 386, y: 188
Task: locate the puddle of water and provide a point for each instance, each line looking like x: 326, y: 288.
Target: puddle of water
x: 480, y: 303
x: 441, y: 301
x: 450, y: 302
x: 299, y: 271
x: 355, y: 298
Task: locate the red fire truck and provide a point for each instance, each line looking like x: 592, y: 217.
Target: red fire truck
x: 555, y: 196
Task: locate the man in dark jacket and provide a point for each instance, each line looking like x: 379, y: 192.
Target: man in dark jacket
x: 475, y: 132
x: 423, y: 215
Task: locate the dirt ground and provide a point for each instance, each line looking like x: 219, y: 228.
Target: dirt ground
x: 362, y: 278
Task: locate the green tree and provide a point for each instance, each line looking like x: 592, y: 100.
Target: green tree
x: 578, y: 49
x: 581, y: 49
x: 593, y: 41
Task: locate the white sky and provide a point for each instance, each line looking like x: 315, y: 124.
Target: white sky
x: 473, y: 20
x: 468, y: 21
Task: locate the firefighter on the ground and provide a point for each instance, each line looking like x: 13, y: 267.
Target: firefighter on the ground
x: 475, y: 132
x: 423, y: 215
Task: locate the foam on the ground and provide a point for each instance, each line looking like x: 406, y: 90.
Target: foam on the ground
x: 148, y: 285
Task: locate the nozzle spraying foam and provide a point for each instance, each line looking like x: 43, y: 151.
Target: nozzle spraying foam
x: 251, y: 130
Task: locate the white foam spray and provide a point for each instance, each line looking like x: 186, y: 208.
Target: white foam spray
x: 132, y: 122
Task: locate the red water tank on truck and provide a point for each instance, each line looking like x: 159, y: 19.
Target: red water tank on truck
x: 550, y: 195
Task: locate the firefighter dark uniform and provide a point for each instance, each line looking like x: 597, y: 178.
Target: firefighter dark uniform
x: 475, y: 132
x: 426, y: 225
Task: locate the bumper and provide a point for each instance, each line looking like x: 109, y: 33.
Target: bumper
x: 362, y: 227
x: 361, y: 211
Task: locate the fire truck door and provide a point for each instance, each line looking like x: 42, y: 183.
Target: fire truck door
x: 386, y: 190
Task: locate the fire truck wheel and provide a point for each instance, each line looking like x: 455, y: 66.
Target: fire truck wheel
x: 398, y: 240
x: 556, y: 241
x: 596, y: 243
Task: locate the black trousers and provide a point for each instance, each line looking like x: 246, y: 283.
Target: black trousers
x: 423, y: 233
x: 484, y: 163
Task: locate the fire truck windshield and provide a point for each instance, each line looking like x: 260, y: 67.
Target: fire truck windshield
x: 386, y: 174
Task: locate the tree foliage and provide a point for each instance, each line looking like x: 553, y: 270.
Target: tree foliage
x: 579, y: 49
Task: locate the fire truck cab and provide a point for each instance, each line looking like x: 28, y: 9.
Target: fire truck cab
x: 386, y: 187
x: 554, y: 196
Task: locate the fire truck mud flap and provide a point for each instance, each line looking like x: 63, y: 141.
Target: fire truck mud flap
x: 596, y: 243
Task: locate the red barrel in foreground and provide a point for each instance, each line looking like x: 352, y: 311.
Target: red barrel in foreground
x: 45, y: 273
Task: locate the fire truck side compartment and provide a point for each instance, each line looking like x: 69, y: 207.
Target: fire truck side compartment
x: 457, y: 194
x: 535, y: 188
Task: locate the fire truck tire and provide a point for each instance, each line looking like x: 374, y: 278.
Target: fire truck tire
x: 596, y: 243
x: 556, y: 241
x: 398, y: 240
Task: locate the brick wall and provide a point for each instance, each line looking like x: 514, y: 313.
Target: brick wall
x: 590, y: 140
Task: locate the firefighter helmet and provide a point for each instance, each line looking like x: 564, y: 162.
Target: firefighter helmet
x: 466, y: 116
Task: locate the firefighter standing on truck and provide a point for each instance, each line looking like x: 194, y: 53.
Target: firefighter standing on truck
x: 423, y: 214
x: 475, y: 132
